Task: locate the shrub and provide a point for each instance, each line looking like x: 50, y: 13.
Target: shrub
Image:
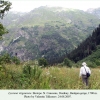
x: 15, y: 60
x: 5, y: 58
x: 42, y: 62
x: 67, y: 62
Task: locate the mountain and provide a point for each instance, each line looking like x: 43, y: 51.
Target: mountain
x: 95, y: 12
x: 46, y: 32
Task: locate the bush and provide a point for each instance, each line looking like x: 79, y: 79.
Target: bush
x: 68, y: 62
x: 5, y: 58
x: 15, y: 60
x: 42, y: 62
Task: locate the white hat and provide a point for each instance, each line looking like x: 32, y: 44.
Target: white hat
x: 84, y: 63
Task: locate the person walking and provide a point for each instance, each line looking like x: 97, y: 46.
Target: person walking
x: 83, y: 73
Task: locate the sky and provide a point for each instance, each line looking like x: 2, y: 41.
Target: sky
x: 28, y: 5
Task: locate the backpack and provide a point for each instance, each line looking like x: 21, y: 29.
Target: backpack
x: 87, y: 73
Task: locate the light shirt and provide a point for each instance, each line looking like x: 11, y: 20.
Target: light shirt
x: 84, y: 69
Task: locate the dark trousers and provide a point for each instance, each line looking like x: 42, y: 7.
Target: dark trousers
x: 85, y: 80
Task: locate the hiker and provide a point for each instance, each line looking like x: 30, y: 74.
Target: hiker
x: 83, y: 73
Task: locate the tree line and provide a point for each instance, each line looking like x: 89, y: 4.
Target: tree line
x: 86, y: 47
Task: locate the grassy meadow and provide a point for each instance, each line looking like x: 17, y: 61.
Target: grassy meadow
x: 26, y: 76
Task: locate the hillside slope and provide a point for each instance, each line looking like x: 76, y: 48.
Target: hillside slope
x: 88, y: 47
x: 93, y: 60
x: 47, y: 31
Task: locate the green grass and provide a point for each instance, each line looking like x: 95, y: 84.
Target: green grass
x: 18, y: 77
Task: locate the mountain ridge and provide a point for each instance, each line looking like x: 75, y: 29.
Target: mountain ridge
x: 48, y: 32
x: 95, y: 11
